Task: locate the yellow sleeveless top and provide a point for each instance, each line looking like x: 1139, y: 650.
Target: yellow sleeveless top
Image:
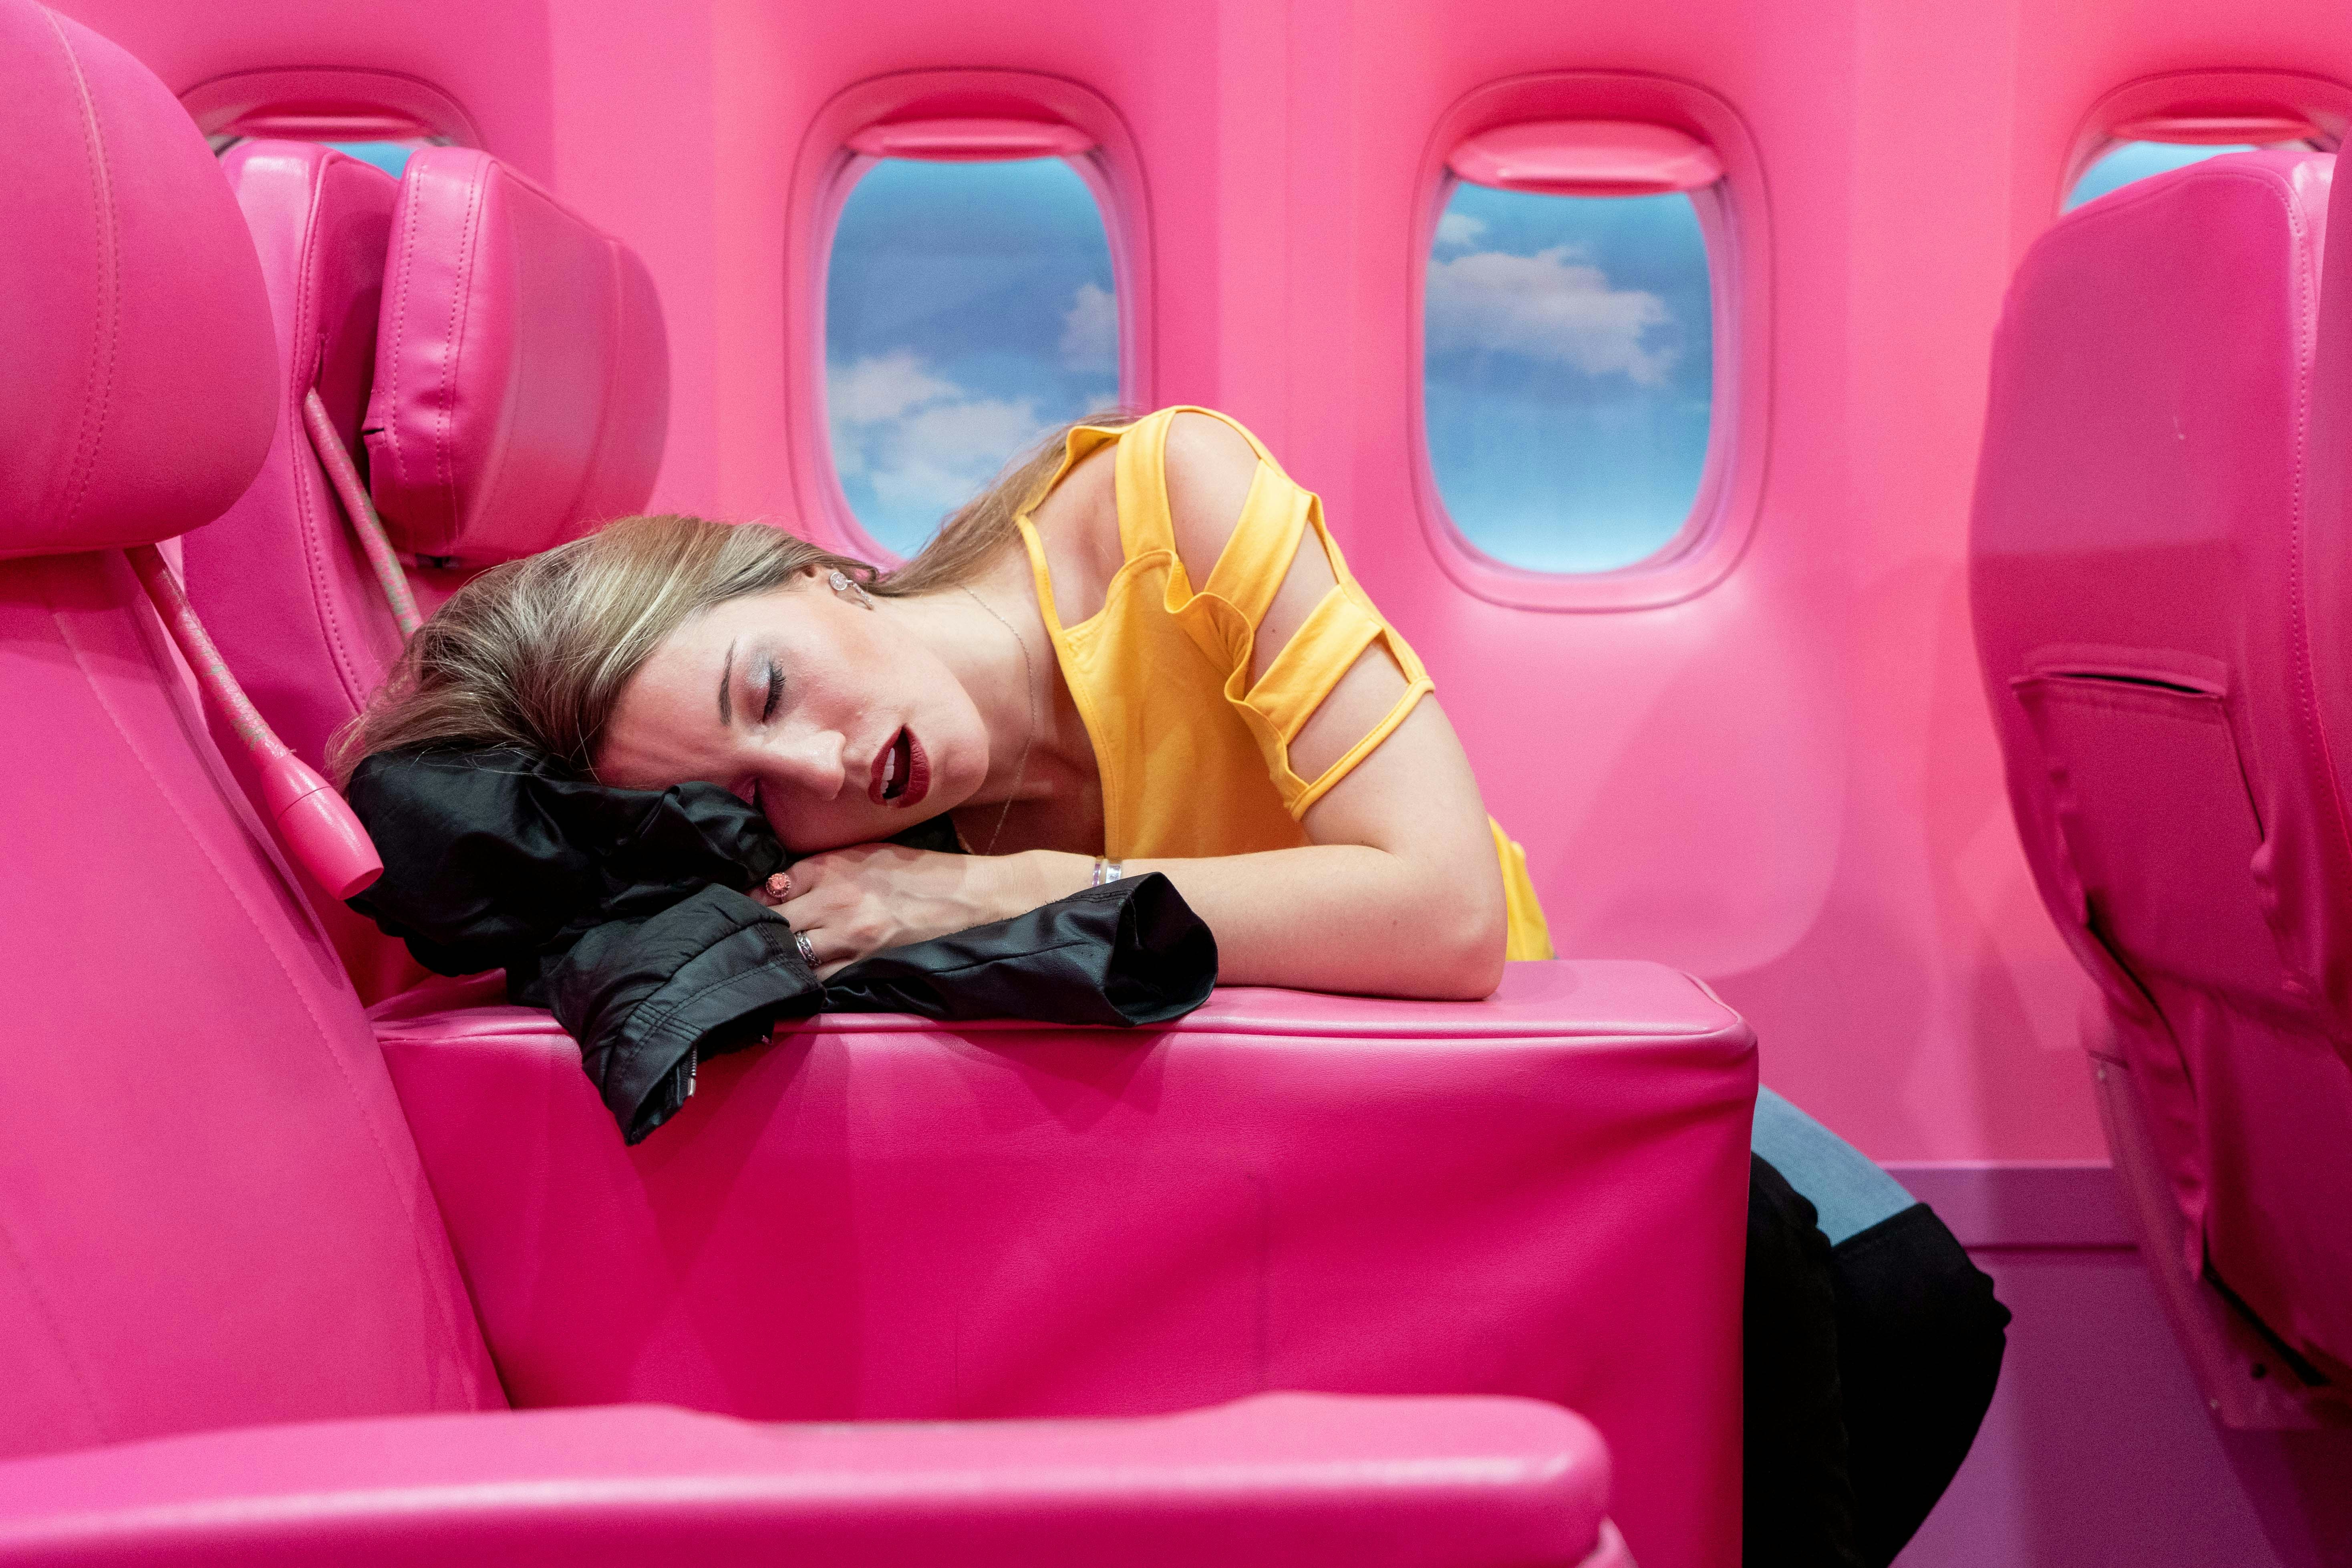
x: 1195, y: 759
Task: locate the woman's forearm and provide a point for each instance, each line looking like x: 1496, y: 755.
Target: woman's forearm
x: 1322, y: 916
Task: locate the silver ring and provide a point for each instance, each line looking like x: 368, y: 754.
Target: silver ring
x: 808, y: 954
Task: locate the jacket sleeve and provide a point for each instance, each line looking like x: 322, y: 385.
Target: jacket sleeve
x: 1131, y: 951
x: 647, y: 999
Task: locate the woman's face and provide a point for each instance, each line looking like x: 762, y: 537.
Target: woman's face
x: 832, y: 720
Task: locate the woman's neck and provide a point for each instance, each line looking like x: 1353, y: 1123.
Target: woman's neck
x: 993, y: 639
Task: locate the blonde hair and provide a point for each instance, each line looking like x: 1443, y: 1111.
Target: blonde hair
x: 534, y: 653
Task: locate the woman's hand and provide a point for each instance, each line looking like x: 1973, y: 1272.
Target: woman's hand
x: 854, y: 902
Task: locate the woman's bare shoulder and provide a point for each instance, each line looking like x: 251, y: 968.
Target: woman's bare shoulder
x: 1210, y: 467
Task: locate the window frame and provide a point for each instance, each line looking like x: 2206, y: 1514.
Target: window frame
x: 829, y: 168
x: 1734, y: 224
x: 328, y: 103
x: 2325, y: 105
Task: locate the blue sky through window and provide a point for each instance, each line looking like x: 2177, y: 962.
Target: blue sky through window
x: 969, y: 308
x: 392, y: 157
x: 2136, y: 161
x: 1568, y: 373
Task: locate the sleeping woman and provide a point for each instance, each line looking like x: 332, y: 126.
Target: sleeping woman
x: 1139, y: 651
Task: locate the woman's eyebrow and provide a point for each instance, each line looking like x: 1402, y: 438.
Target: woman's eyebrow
x: 727, y: 688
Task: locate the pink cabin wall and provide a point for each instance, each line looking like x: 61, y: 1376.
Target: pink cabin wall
x: 1786, y: 784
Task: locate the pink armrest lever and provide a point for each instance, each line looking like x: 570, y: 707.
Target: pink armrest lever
x: 345, y: 475
x: 317, y: 824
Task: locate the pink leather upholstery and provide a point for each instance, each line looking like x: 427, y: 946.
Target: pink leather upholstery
x: 2160, y: 613
x: 210, y: 1209
x: 212, y: 1215
x: 1271, y: 1482
x: 213, y: 1212
x: 136, y: 397
x: 280, y: 583
x: 522, y: 375
x: 872, y: 1218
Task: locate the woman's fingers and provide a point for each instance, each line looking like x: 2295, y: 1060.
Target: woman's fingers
x: 814, y: 912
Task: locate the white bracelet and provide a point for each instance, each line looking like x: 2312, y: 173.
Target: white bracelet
x: 1108, y: 871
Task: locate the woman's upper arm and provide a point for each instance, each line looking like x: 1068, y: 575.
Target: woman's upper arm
x: 1413, y: 795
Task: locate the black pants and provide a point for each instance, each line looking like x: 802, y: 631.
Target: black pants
x: 1869, y: 1368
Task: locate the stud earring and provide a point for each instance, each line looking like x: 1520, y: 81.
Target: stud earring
x: 842, y: 583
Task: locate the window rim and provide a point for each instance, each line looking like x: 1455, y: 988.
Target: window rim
x: 830, y: 169
x: 243, y: 104
x: 2323, y: 102
x: 1734, y: 225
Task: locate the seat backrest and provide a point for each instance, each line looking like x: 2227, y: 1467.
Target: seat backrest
x: 498, y: 364
x: 2156, y: 642
x: 211, y: 1209
x: 283, y: 588
x: 509, y: 391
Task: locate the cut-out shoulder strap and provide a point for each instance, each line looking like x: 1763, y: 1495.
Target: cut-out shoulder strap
x: 1145, y: 523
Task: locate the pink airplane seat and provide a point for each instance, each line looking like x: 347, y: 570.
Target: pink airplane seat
x: 496, y: 366
x: 231, y: 1324
x: 2160, y: 606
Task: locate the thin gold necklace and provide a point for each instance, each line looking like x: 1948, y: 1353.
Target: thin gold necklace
x: 1029, y: 680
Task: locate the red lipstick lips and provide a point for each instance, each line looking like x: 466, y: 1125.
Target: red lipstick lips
x: 901, y: 773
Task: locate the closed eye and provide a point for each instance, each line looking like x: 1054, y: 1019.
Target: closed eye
x: 775, y: 693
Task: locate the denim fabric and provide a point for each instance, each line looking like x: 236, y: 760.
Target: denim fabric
x: 1850, y: 1192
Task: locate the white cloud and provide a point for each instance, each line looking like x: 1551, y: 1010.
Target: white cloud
x: 882, y: 386
x: 1547, y: 307
x: 939, y: 457
x: 921, y: 440
x: 1458, y: 230
x: 1090, y: 330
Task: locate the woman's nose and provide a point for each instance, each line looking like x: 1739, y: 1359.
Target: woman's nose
x: 816, y: 763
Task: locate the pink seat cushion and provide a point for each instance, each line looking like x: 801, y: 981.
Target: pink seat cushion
x: 1540, y: 1195
x: 139, y: 390
x: 522, y: 375
x: 1280, y: 1481
x: 2155, y: 644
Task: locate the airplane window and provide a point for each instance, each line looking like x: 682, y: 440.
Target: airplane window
x: 968, y: 307
x: 2130, y: 161
x: 392, y: 157
x: 1568, y: 373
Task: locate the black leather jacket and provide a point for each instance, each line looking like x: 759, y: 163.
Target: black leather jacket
x: 627, y: 913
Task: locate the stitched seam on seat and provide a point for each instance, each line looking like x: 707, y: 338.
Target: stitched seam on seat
x: 315, y: 546
x: 54, y: 1322
x: 102, y: 343
x: 392, y: 1173
x: 2306, y: 692
x: 458, y: 320
x: 399, y: 332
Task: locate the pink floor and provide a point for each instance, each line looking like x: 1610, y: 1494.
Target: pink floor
x: 2098, y: 1451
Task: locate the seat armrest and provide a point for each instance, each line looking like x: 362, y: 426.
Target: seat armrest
x: 1542, y: 1194
x: 1278, y: 1481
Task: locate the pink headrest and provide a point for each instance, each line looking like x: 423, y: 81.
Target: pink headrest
x: 137, y: 366
x: 522, y: 373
